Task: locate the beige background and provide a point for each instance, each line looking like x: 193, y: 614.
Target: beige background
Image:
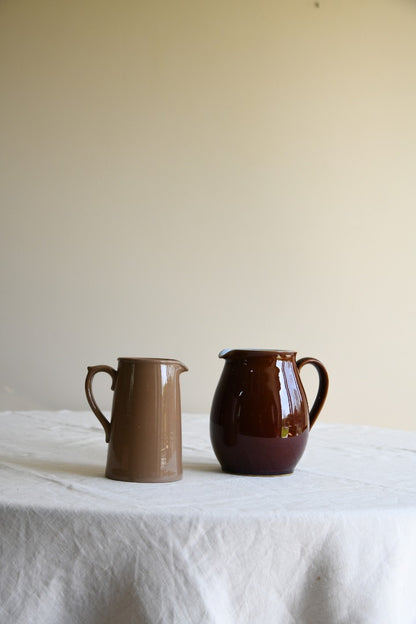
x: 183, y: 176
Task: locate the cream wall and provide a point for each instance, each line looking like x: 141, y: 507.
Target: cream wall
x: 183, y: 176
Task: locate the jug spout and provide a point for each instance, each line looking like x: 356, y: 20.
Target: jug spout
x: 182, y: 368
x: 224, y: 353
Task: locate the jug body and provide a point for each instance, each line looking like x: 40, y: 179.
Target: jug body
x: 144, y: 435
x: 260, y: 420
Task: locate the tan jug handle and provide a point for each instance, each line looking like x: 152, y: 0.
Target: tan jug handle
x: 322, y: 388
x: 92, y: 371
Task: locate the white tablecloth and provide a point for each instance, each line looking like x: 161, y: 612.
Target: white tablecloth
x: 333, y: 543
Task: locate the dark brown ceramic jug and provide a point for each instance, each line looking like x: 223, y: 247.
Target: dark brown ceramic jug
x: 260, y: 418
x: 144, y: 434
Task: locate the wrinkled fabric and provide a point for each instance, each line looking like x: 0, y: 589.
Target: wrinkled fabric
x: 333, y: 543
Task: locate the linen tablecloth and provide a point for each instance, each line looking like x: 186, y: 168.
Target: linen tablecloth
x: 333, y: 543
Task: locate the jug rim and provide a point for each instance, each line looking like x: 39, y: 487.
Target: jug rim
x: 256, y: 353
x: 151, y: 360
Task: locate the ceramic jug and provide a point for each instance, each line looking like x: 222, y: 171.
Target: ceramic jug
x: 144, y: 435
x: 260, y: 419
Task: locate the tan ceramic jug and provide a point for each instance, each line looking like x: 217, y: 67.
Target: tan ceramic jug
x: 260, y: 418
x: 144, y: 435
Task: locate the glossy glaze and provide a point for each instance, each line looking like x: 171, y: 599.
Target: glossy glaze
x: 144, y: 434
x: 260, y: 419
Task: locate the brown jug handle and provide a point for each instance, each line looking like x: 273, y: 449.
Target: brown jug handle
x: 322, y: 388
x: 92, y: 371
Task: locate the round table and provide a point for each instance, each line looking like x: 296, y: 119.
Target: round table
x: 335, y: 542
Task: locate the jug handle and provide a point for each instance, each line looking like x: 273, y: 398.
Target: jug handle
x: 92, y: 371
x: 322, y: 388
